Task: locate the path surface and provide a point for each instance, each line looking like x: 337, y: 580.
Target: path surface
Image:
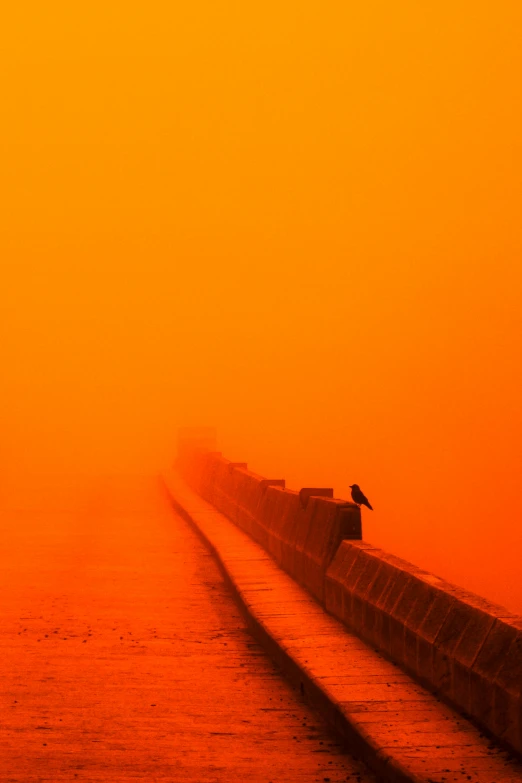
x: 124, y: 658
x: 404, y: 732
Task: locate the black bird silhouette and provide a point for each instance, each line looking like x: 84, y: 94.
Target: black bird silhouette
x: 358, y: 497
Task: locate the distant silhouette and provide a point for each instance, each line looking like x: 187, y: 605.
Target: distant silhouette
x: 358, y: 497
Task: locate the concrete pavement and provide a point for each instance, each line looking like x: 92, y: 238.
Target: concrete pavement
x: 124, y: 658
x: 404, y: 732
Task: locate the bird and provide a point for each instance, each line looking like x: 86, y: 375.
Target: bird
x: 358, y: 496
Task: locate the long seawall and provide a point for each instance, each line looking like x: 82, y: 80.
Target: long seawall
x: 457, y: 644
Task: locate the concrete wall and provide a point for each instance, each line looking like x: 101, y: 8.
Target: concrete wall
x: 302, y: 534
x: 457, y: 644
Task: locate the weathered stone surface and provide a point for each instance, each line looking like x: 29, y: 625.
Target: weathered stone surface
x: 401, y: 729
x: 124, y: 657
x: 437, y: 631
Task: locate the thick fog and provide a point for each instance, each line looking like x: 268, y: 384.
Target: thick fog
x: 300, y: 225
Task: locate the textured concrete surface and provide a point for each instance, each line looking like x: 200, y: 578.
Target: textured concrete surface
x: 456, y: 643
x: 404, y: 732
x: 460, y: 645
x: 124, y: 657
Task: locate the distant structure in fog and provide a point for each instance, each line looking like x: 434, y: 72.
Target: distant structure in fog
x: 358, y: 497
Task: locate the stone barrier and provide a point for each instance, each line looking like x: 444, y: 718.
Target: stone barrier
x: 455, y: 643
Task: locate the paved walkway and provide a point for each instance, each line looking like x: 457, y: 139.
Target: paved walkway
x: 405, y: 733
x: 124, y: 658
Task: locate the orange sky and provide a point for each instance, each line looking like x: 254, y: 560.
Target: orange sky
x: 299, y: 224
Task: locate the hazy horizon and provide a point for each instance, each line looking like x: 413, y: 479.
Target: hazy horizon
x: 298, y: 224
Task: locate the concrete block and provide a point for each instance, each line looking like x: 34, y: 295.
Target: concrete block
x: 265, y: 507
x: 305, y: 520
x: 395, y: 635
x: 245, y: 489
x: 306, y: 492
x: 427, y: 633
x: 424, y: 599
x: 448, y: 638
x: 370, y: 623
x: 505, y: 717
x: 436, y: 616
x: 319, y: 544
x: 362, y: 571
x: 273, y: 483
x: 424, y: 665
x: 213, y: 480
x: 493, y: 652
x: 399, y: 583
x: 291, y: 524
x: 380, y: 584
x: 271, y: 523
x: 350, y: 522
x: 378, y: 593
x: 250, y: 491
x: 350, y: 583
x: 466, y: 652
x: 486, y: 667
x: 368, y: 566
x: 397, y: 639
x: 507, y: 698
x: 398, y: 610
x: 266, y: 514
x: 227, y: 485
x: 269, y: 515
x: 334, y: 582
x: 281, y: 524
x: 361, y: 586
x: 207, y: 467
x: 352, y: 550
x: 510, y: 674
x: 384, y: 632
